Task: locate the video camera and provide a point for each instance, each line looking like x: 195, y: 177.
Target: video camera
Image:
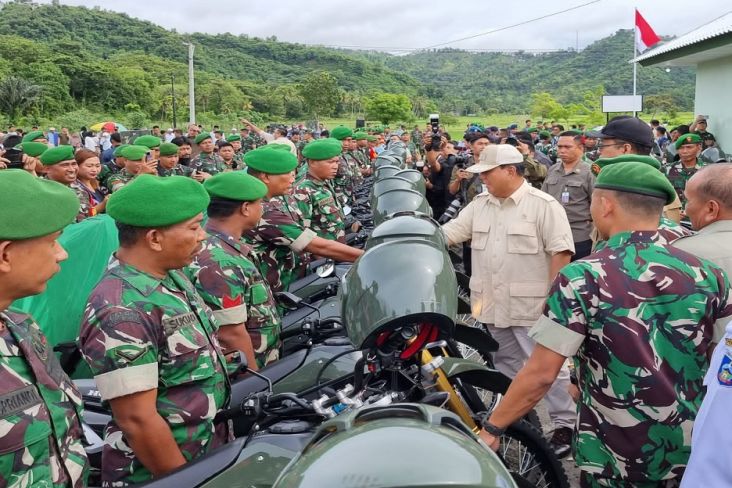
x: 436, y: 135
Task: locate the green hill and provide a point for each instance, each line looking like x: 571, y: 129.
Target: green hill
x: 92, y: 60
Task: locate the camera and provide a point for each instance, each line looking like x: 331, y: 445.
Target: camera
x: 451, y: 211
x: 15, y: 158
x: 461, y: 161
x: 436, y: 136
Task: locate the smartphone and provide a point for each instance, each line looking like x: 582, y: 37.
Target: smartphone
x: 148, y: 157
x: 15, y: 158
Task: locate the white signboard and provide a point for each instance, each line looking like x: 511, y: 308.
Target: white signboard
x: 622, y: 103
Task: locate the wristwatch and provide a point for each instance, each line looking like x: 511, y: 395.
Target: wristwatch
x: 492, y: 429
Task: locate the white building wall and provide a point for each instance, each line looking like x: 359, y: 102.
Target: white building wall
x: 714, y: 98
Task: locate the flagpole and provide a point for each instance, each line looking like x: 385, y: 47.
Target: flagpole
x: 635, y: 64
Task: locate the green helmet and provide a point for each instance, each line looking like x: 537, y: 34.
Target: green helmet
x: 407, y: 225
x: 391, y: 183
x: 399, y: 200
x: 407, y: 284
x: 398, y: 149
x: 385, y: 172
x: 415, y: 177
x: 388, y: 160
x: 401, y: 445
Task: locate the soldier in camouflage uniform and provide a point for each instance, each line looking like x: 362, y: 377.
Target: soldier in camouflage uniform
x: 314, y: 197
x: 41, y: 441
x: 135, y: 164
x: 149, y: 338
x: 235, y: 141
x: 362, y: 153
x: 168, y: 161
x: 639, y: 319
x: 348, y: 170
x: 207, y: 163
x: 688, y: 147
x: 112, y: 168
x: 226, y: 272
x: 280, y: 239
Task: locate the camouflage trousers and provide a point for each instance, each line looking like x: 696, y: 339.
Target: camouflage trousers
x: 592, y: 480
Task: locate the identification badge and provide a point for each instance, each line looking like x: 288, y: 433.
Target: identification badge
x: 565, y: 196
x: 16, y: 401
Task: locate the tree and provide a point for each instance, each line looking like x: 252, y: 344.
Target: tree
x: 321, y: 94
x: 17, y: 95
x: 543, y: 104
x: 388, y: 107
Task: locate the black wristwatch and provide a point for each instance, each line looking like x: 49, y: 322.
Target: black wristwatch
x: 492, y: 429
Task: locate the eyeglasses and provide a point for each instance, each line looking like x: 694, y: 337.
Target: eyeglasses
x: 600, y: 146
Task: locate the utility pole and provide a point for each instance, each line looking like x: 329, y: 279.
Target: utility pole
x: 172, y: 92
x: 191, y: 93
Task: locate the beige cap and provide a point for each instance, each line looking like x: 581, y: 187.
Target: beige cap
x: 494, y: 156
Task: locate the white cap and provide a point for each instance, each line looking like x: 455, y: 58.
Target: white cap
x: 496, y: 155
x: 52, y: 128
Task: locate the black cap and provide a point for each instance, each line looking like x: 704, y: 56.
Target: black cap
x: 630, y: 129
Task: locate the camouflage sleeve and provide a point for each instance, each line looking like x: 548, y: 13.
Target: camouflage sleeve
x: 222, y: 288
x: 278, y: 227
x: 563, y: 325
x: 304, y: 205
x: 556, y: 233
x: 121, y: 347
x: 453, y: 175
x: 724, y: 311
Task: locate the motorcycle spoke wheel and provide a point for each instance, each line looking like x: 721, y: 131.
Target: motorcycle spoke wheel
x: 530, y: 459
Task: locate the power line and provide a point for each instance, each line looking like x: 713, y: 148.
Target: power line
x: 514, y: 25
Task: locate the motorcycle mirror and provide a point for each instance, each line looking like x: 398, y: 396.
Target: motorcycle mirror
x: 289, y: 300
x: 325, y: 270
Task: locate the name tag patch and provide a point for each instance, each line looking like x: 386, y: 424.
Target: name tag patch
x: 171, y: 324
x: 16, y: 401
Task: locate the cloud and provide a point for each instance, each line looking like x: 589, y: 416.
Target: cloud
x: 417, y: 23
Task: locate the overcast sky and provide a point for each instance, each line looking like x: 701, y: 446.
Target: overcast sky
x: 419, y: 23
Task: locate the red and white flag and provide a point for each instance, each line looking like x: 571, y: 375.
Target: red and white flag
x: 644, y: 35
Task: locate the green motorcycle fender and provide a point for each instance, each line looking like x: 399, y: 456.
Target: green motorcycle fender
x: 475, y: 374
x: 306, y: 374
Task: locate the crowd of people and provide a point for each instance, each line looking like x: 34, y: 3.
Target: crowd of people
x: 602, y: 247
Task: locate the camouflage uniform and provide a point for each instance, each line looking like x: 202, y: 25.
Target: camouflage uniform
x: 41, y: 411
x: 535, y: 171
x: 320, y: 209
x: 86, y: 205
x: 638, y: 318
x: 239, y: 161
x: 468, y: 188
x: 225, y: 276
x: 208, y: 163
x: 347, y: 178
x: 117, y: 181
x: 248, y: 143
x: 141, y: 333
x: 362, y: 158
x: 108, y: 170
x: 678, y: 176
x: 177, y: 170
x: 280, y: 240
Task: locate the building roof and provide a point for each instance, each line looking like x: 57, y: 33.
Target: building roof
x: 710, y: 41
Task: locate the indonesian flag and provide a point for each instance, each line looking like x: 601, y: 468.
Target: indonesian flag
x: 644, y: 35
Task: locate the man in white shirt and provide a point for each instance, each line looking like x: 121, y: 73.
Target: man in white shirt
x: 279, y: 136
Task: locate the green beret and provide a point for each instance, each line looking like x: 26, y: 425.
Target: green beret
x: 57, y: 154
x: 531, y: 130
x: 687, y: 139
x: 134, y: 152
x: 33, y: 149
x: 360, y: 136
x: 202, y: 137
x: 233, y: 137
x: 371, y: 138
x: 322, y: 149
x: 32, y: 136
x: 168, y: 149
x: 602, y: 162
x: 341, y: 132
x: 235, y: 185
x: 278, y: 147
x: 118, y: 150
x: 152, y: 201
x: 544, y: 134
x: 148, y: 141
x: 378, y: 131
x: 636, y: 177
x: 25, y: 202
x: 271, y: 161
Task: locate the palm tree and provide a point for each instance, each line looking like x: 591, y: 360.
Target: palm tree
x: 17, y: 95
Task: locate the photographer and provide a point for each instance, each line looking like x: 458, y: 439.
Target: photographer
x: 437, y: 171
x: 464, y: 185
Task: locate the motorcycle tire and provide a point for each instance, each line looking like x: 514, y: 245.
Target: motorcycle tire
x: 530, y: 458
